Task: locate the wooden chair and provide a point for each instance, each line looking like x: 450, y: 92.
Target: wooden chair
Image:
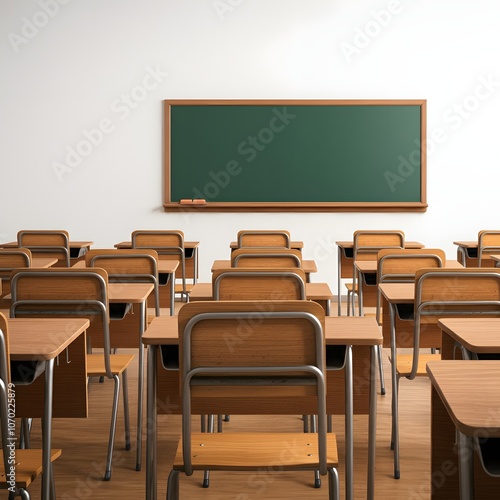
x: 168, y: 245
x: 128, y: 266
x: 16, y: 475
x: 285, y: 355
x: 263, y: 238
x: 400, y: 266
x: 11, y: 259
x: 488, y: 243
x: 51, y: 243
x: 77, y: 293
x: 439, y: 293
x: 366, y: 245
x: 266, y: 257
x: 258, y: 284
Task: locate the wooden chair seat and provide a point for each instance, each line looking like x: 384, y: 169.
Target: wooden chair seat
x: 404, y: 363
x: 256, y: 451
x: 28, y: 467
x: 119, y: 363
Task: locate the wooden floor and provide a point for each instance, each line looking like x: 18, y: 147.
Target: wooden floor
x: 78, y: 472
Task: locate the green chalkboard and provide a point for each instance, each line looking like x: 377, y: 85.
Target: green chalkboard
x: 295, y: 155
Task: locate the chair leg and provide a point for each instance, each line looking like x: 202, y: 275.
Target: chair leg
x: 314, y: 428
x: 24, y: 494
x: 206, y: 473
x: 112, y: 428
x: 348, y: 303
x: 395, y: 428
x: 333, y: 484
x: 25, y: 433
x: 173, y: 485
x: 381, y: 370
x: 219, y: 423
x: 126, y: 415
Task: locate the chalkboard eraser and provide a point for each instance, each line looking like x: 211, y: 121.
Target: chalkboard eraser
x: 186, y: 201
x: 199, y: 201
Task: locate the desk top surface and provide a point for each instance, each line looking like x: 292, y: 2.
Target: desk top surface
x: 370, y: 266
x: 353, y: 330
x: 297, y: 245
x: 408, y: 244
x: 43, y: 262
x: 398, y: 293
x: 308, y: 266
x: 314, y: 291
x: 134, y: 293
x: 167, y: 266
x: 479, y: 335
x: 128, y: 244
x: 466, y: 244
x: 470, y: 391
x: 72, y: 244
x: 43, y: 338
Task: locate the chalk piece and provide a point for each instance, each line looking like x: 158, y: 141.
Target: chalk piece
x: 199, y: 201
x: 186, y: 201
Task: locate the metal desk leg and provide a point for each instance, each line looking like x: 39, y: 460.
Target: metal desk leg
x: 395, y: 388
x: 466, y: 467
x: 151, y: 445
x: 339, y: 279
x: 349, y: 420
x: 172, y: 294
x: 372, y: 424
x: 47, y: 476
x: 140, y: 385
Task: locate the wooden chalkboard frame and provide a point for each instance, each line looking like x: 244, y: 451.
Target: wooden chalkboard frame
x: 333, y: 206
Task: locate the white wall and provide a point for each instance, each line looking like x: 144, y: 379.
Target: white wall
x: 68, y: 65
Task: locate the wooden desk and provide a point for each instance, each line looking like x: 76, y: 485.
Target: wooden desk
x: 477, y: 335
x: 65, y: 386
x: 495, y: 259
x: 318, y: 292
x: 5, y: 288
x: 345, y: 263
x: 166, y: 275
x: 308, y: 266
x: 77, y: 249
x: 467, y: 252
x: 128, y: 333
x: 360, y: 335
x: 466, y: 397
x: 367, y: 276
x: 190, y: 252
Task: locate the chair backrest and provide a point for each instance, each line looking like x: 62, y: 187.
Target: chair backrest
x: 4, y: 350
x: 169, y: 244
x: 398, y: 265
x: 280, y: 344
x: 447, y: 293
x: 488, y: 243
x: 59, y: 292
x: 367, y: 243
x: 13, y: 259
x: 4, y: 388
x: 49, y: 242
x: 263, y: 238
x: 258, y: 284
x: 266, y: 257
x: 127, y: 266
